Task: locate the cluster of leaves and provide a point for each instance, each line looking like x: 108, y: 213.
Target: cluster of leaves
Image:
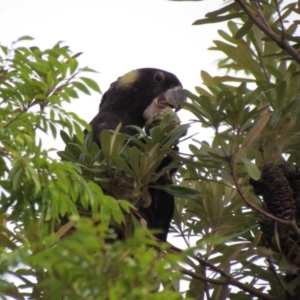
x: 125, y: 167
x: 254, y: 113
x: 37, y: 190
x: 255, y: 119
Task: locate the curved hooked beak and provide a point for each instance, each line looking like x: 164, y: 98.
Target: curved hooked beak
x: 172, y: 97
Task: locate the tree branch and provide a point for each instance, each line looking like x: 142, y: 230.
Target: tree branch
x: 229, y: 279
x: 202, y: 278
x: 260, y: 21
x: 280, y: 19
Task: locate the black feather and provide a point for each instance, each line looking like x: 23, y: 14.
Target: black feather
x: 126, y: 102
x: 127, y: 99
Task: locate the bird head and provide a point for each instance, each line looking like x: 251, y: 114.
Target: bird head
x: 138, y: 95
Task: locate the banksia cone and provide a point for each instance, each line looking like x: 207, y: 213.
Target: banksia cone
x: 275, y: 186
x: 258, y: 186
x: 285, y: 243
x: 292, y: 174
x: 278, y: 194
x: 267, y: 227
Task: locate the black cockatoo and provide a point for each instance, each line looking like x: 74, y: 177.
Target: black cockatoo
x: 133, y: 100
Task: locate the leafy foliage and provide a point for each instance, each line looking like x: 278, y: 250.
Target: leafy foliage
x: 242, y: 239
x: 41, y: 259
x: 255, y: 118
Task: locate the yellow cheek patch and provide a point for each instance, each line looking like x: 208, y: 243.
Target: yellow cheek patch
x: 128, y: 78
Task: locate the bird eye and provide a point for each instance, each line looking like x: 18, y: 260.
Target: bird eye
x: 159, y: 77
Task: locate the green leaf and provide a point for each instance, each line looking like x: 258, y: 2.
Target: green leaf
x: 274, y: 71
x: 254, y: 133
x: 77, y: 54
x: 65, y: 137
x: 252, y: 169
x: 244, y: 29
x: 16, y: 175
x: 105, y: 140
x: 73, y: 63
x: 25, y: 38
x: 51, y: 79
x: 122, y: 165
x: 86, y: 69
x: 71, y: 93
x: 81, y: 87
x: 227, y: 8
x: 91, y: 83
x: 207, y: 79
x: 134, y: 160
x: 218, y: 19
x: 281, y: 92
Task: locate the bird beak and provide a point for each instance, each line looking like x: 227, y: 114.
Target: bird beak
x: 174, y: 97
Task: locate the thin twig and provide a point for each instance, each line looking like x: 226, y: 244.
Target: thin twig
x: 273, y: 270
x: 261, y: 23
x: 14, y: 119
x: 260, y: 15
x: 229, y: 279
x: 280, y: 20
x: 206, y: 287
x: 183, y: 235
x: 203, y: 278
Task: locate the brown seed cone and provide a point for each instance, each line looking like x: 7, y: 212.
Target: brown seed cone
x: 292, y: 174
x: 258, y: 186
x: 280, y: 186
x: 267, y: 227
x: 278, y: 194
x: 288, y: 246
